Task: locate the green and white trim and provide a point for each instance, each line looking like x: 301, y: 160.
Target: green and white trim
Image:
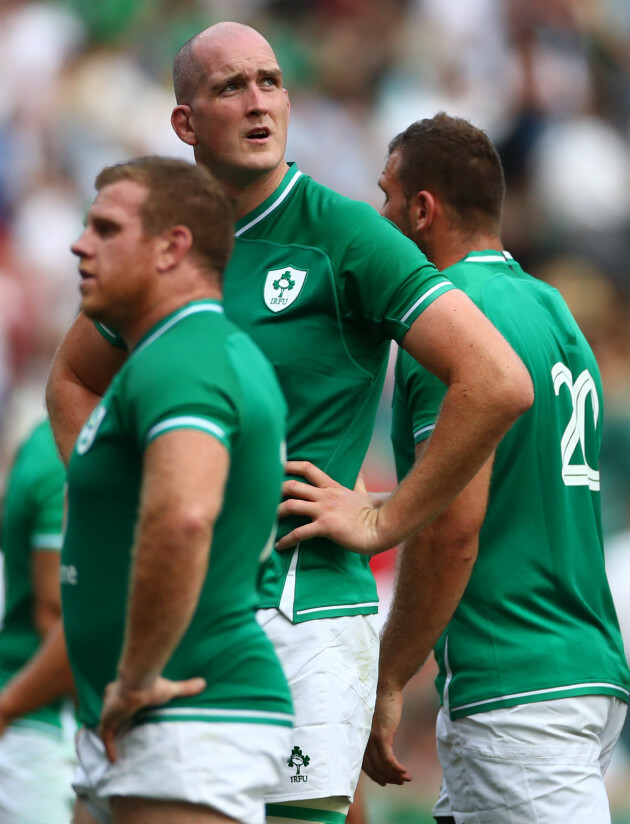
x: 188, y: 422
x: 213, y: 715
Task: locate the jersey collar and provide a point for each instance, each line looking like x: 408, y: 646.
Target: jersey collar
x: 166, y: 323
x: 488, y: 256
x: 271, y: 203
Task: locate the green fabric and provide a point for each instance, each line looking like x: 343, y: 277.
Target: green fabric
x: 195, y: 368
x: 323, y: 284
x: 32, y: 522
x: 537, y: 619
x: 305, y: 814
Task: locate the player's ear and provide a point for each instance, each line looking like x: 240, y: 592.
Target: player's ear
x: 181, y: 121
x: 423, y: 211
x: 172, y: 246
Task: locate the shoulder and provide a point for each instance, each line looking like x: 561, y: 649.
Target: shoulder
x: 343, y: 214
x: 38, y: 450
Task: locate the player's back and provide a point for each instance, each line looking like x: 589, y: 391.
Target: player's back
x: 540, y: 572
x: 539, y: 582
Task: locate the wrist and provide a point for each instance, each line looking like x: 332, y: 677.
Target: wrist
x: 385, y: 534
x: 9, y: 709
x: 133, y: 682
x: 389, y: 685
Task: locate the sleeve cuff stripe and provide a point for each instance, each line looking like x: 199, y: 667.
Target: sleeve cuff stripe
x: 446, y: 285
x: 47, y: 541
x: 423, y: 432
x: 187, y: 422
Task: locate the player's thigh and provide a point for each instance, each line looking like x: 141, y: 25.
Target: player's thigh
x: 83, y: 815
x: 146, y: 811
x: 535, y: 762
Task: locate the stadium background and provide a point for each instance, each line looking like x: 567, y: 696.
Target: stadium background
x: 87, y: 84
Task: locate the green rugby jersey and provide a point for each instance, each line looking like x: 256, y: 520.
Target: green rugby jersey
x: 32, y: 522
x: 323, y: 284
x: 537, y: 620
x: 193, y: 369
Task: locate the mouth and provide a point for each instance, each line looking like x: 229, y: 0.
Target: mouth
x: 259, y: 133
x: 86, y: 277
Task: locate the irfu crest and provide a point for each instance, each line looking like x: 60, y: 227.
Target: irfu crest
x: 282, y: 286
x: 297, y: 759
x: 90, y: 428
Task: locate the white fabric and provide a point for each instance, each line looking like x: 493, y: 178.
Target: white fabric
x: 331, y: 665
x: 35, y: 773
x: 226, y: 766
x: 542, y: 762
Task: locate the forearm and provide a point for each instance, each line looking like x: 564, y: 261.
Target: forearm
x: 82, y: 369
x: 69, y: 405
x: 433, y: 571
x: 431, y: 580
x: 170, y: 564
x: 45, y: 678
x: 467, y: 431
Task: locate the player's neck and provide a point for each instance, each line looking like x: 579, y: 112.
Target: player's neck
x: 248, y: 195
x: 456, y: 247
x: 164, y: 304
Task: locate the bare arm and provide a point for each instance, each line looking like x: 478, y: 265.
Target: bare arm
x: 184, y: 477
x: 488, y: 388
x: 434, y: 567
x: 47, y: 675
x: 82, y: 369
x: 46, y: 594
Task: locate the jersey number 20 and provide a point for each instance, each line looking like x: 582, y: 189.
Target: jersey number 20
x: 577, y: 474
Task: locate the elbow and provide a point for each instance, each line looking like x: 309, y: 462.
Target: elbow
x: 45, y: 617
x: 517, y: 393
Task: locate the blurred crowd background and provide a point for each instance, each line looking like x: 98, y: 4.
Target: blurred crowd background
x: 83, y: 85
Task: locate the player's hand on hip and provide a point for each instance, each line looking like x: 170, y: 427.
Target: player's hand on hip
x: 336, y: 512
x: 121, y: 703
x: 379, y: 761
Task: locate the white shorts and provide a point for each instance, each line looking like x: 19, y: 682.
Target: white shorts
x: 541, y: 762
x: 36, y: 767
x: 229, y: 767
x: 331, y: 665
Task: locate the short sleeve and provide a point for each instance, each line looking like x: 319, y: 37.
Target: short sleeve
x: 47, y: 490
x: 384, y: 276
x: 418, y: 396
x: 184, y: 395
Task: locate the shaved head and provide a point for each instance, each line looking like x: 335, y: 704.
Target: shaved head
x: 191, y: 61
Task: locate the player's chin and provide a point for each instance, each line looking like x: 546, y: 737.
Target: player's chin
x: 263, y: 156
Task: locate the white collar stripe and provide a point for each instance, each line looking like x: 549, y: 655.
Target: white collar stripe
x: 488, y: 258
x: 271, y: 208
x: 444, y: 285
x: 191, y: 310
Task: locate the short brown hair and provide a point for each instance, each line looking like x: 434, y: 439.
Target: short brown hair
x: 456, y: 160
x: 181, y: 194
